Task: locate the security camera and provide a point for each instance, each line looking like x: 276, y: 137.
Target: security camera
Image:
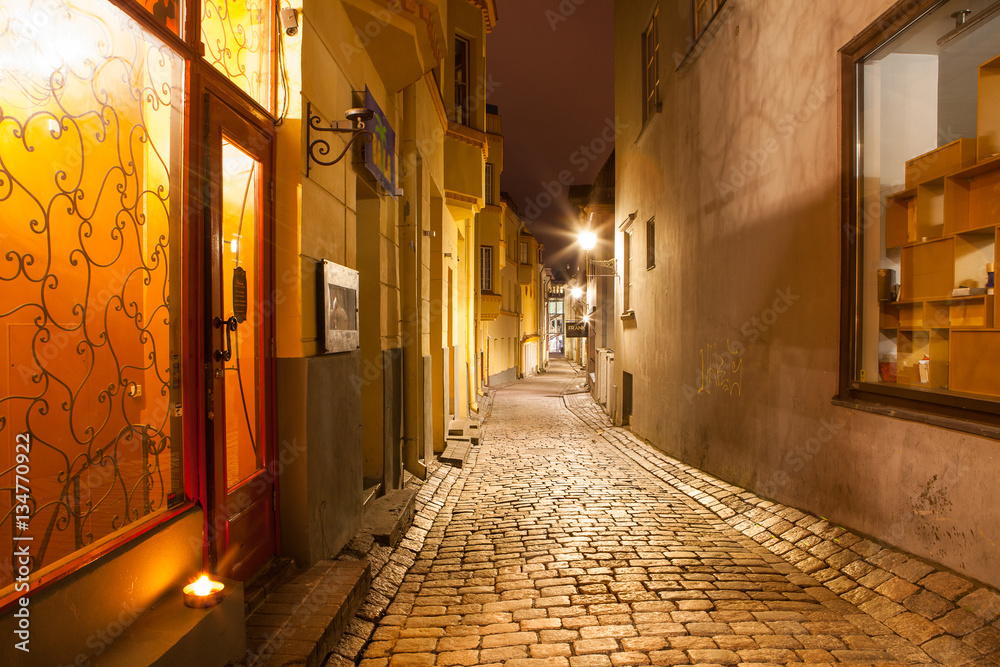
x: 289, y: 21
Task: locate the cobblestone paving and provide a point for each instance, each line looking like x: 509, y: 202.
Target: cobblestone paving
x: 553, y: 548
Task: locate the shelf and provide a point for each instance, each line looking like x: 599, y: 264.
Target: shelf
x: 988, y: 114
x: 936, y: 164
x: 946, y: 228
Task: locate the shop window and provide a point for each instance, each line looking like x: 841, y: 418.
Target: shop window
x: 922, y: 226
x: 462, y: 64
x: 651, y: 67
x: 237, y: 37
x: 90, y: 211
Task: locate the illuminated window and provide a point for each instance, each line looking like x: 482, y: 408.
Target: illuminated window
x: 90, y: 212
x: 237, y: 38
x: 651, y: 67
x: 921, y: 233
x: 168, y: 13
x: 524, y: 252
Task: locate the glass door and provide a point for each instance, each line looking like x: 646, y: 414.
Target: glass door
x: 242, y: 514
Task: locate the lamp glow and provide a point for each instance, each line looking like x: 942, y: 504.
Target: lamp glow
x: 203, y: 593
x: 577, y: 292
x: 588, y: 240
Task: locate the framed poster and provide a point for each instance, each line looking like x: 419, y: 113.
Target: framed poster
x: 338, y: 308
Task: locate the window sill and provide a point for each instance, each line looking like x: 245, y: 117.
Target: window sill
x: 941, y: 417
x: 649, y: 119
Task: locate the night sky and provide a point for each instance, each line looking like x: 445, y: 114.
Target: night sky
x: 550, y: 70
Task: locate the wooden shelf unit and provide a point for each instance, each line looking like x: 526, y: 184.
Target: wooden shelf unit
x: 946, y: 228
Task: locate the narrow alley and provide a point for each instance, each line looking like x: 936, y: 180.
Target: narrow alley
x: 554, y: 547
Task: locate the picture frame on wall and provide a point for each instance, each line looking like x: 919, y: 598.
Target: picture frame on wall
x: 338, y: 314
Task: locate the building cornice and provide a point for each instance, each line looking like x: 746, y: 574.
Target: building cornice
x: 489, y: 9
x: 468, y: 135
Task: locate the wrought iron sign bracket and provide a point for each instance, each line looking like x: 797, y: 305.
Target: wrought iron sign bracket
x: 319, y: 149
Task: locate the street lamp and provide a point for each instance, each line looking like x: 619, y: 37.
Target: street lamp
x: 576, y: 292
x: 588, y: 240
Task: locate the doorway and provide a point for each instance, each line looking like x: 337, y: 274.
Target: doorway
x: 239, y: 333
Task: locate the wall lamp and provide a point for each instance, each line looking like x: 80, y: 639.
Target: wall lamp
x: 319, y: 149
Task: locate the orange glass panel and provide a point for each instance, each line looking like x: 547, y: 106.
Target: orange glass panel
x: 168, y: 13
x: 241, y: 184
x: 237, y: 38
x: 90, y: 182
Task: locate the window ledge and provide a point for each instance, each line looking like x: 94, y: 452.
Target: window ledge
x: 628, y: 315
x: 649, y: 119
x: 929, y: 418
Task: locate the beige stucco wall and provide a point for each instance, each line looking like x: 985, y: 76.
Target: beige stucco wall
x: 755, y: 269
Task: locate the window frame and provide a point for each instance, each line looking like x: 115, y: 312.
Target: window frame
x: 488, y: 177
x: 627, y: 271
x: 960, y: 413
x: 651, y: 67
x: 524, y: 252
x: 486, y: 262
x: 651, y: 243
x: 696, y: 5
x: 460, y: 104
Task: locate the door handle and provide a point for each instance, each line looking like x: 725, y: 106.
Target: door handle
x: 229, y: 325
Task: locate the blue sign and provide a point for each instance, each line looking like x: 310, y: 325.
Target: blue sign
x: 380, y: 152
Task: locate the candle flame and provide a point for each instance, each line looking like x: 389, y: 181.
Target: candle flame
x: 203, y: 586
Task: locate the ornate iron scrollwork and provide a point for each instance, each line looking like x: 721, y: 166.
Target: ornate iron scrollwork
x: 86, y: 212
x: 319, y: 149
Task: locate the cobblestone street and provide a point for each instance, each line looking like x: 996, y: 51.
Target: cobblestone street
x: 554, y: 547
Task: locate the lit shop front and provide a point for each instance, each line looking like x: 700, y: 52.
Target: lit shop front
x: 135, y: 255
x: 922, y: 329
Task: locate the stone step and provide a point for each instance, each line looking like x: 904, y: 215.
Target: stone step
x: 301, y: 622
x: 390, y: 516
x: 456, y: 451
x: 275, y: 574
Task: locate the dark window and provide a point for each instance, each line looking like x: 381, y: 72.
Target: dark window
x: 462, y: 78
x: 489, y: 183
x: 627, y: 277
x: 524, y: 252
x: 651, y: 243
x: 651, y: 68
